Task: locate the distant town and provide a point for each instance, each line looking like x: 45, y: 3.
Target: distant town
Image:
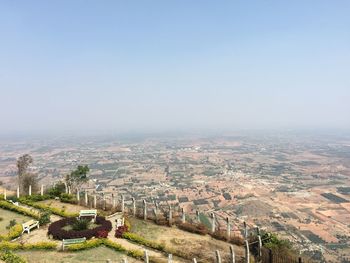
x: 296, y: 185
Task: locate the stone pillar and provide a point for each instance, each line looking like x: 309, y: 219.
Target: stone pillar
x: 170, y: 258
x: 30, y: 190
x: 232, y: 255
x: 146, y: 256
x: 197, y: 215
x: 86, y: 198
x: 123, y: 203
x: 212, y: 222
x: 42, y: 190
x: 183, y: 215
x: 95, y: 201
x: 247, y: 254
x: 228, y: 229
x: 217, y: 256
x: 133, y: 206
x: 18, y: 192
x: 245, y: 230
x: 5, y: 194
x: 144, y: 209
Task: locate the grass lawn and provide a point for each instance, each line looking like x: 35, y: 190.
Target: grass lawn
x: 100, y: 254
x: 7, y: 216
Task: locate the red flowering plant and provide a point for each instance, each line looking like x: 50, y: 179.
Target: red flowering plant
x: 102, y: 234
x: 120, y: 231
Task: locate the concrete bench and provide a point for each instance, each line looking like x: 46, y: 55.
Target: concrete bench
x: 27, y: 226
x: 88, y: 213
x: 73, y: 241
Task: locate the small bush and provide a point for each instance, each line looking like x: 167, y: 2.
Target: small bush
x: 102, y: 234
x: 81, y: 224
x: 12, y: 223
x: 57, y: 190
x: 44, y: 217
x: 9, y: 257
x: 140, y: 240
x: 193, y: 228
x: 120, y: 231
x: 68, y: 198
x: 15, y: 231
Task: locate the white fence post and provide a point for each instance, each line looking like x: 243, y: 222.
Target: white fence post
x: 232, y: 255
x: 146, y: 256
x: 217, y: 256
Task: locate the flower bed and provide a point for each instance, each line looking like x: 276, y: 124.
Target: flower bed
x: 57, y: 230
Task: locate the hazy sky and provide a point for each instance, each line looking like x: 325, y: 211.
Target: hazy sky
x: 173, y: 65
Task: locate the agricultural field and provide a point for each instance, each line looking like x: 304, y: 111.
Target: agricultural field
x: 100, y: 254
x: 6, y: 216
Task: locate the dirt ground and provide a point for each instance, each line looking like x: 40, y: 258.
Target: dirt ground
x: 201, y: 247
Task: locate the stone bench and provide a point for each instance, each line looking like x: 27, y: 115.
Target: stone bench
x: 27, y: 226
x: 73, y: 241
x: 88, y: 213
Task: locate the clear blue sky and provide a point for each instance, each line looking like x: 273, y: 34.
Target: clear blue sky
x: 173, y: 65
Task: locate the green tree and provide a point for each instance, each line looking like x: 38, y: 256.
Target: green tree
x: 24, y: 177
x: 77, y: 177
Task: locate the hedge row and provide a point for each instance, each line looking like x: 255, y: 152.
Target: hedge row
x: 57, y: 231
x: 9, y: 206
x: 14, y: 232
x: 93, y: 243
x: 53, y: 210
x: 6, y: 245
x: 142, y: 241
x: 9, y: 257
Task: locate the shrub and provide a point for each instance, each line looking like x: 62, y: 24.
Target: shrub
x: 12, y: 223
x: 10, y: 257
x: 16, y: 246
x: 57, y: 231
x: 44, y: 217
x: 68, y: 198
x: 45, y: 245
x: 120, y: 231
x: 15, y: 231
x: 81, y: 224
x: 11, y: 207
x: 56, y: 190
x: 140, y: 240
x: 193, y: 228
x: 53, y: 210
x: 102, y: 234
